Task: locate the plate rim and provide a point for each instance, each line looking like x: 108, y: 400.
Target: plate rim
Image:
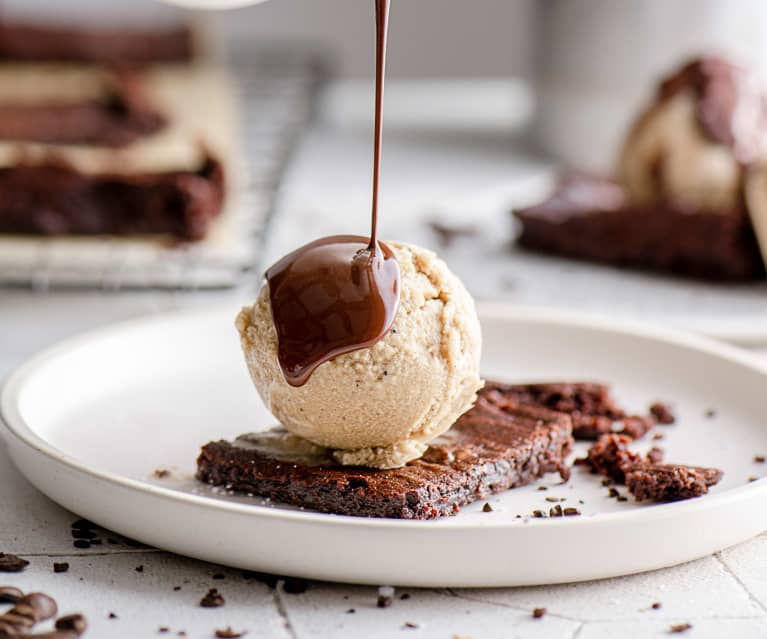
x: 15, y: 425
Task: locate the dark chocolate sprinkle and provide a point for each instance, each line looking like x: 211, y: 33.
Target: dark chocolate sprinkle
x: 60, y: 567
x: 680, y: 627
x: 656, y: 605
x: 409, y: 625
x: 212, y: 599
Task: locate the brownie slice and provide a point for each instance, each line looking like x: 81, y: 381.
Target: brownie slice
x: 56, y: 199
x: 590, y: 406
x: 669, y: 482
x: 120, y: 117
x: 589, y: 218
x: 114, y: 46
x: 490, y: 449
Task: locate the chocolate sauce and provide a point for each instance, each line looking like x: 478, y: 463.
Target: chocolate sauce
x: 330, y: 297
x: 337, y: 294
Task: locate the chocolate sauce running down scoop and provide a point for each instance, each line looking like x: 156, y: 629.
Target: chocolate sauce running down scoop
x: 337, y: 294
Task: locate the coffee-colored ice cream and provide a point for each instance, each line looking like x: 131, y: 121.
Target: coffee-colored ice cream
x: 689, y: 146
x: 380, y: 406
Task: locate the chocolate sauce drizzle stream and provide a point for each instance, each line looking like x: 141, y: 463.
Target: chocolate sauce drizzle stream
x: 337, y: 294
x: 382, y: 31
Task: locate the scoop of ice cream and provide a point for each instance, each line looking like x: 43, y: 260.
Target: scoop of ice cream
x: 380, y: 406
x: 688, y: 147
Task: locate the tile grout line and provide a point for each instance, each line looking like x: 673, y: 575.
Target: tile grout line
x: 452, y: 593
x: 282, y: 611
x: 731, y: 572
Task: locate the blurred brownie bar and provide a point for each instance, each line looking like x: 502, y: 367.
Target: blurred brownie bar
x: 493, y: 447
x: 589, y: 218
x: 118, y: 117
x: 56, y: 199
x: 119, y: 46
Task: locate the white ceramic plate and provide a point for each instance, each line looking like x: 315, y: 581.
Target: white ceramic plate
x: 89, y: 421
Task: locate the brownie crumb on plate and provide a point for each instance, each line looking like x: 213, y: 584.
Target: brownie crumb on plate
x: 662, y: 413
x: 228, y: 633
x: 60, y: 567
x: 538, y: 613
x: 669, y: 482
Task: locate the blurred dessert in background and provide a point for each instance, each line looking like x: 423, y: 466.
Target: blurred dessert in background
x: 111, y: 132
x: 678, y: 203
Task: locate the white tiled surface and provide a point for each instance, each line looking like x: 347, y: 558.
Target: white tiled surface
x: 722, y: 596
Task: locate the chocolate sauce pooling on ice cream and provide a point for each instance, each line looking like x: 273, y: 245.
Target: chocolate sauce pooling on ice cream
x: 337, y: 294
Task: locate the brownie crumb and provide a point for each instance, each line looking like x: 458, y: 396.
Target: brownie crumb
x: 538, y: 513
x: 60, y: 567
x: 161, y: 473
x: 82, y: 544
x: 12, y: 563
x: 555, y: 499
x: 610, y: 455
x: 543, y: 487
x: 385, y: 597
x: 176, y: 588
x: 487, y: 508
x: 140, y: 568
x: 607, y: 482
x: 637, y: 426
x: 670, y: 482
x: 556, y: 511
x: 656, y: 605
x: 404, y: 596
x: 662, y: 413
x: 181, y: 633
x: 658, y: 436
x: 622, y: 498
x: 219, y: 575
x: 752, y: 478
x: 228, y: 633
x: 655, y: 455
x: 759, y: 459
x: 351, y: 611
x: 571, y: 512
x: 295, y: 585
x: 163, y: 630
x: 112, y: 615
x: 538, y: 613
x: 212, y: 599
x: 84, y: 524
x: 409, y: 625
x: 680, y: 627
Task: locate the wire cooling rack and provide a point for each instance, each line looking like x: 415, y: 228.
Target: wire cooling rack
x: 276, y: 90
